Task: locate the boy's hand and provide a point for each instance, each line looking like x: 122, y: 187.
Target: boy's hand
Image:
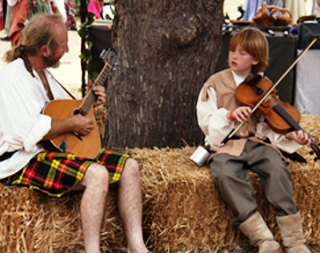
x: 240, y: 114
x: 300, y: 137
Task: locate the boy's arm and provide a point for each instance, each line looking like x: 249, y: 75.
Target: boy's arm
x: 214, y: 122
x: 279, y: 140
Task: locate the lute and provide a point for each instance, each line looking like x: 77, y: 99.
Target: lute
x: 84, y: 146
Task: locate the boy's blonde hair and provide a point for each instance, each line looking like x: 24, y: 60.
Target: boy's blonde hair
x: 254, y: 43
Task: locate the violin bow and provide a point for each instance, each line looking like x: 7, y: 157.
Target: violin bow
x: 266, y: 95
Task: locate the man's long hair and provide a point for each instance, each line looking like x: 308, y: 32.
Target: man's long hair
x: 39, y: 31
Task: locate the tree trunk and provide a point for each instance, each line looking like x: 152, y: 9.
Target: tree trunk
x: 83, y: 18
x: 166, y: 51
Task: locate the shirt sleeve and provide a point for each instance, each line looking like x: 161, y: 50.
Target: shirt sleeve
x: 23, y: 124
x: 277, y: 140
x: 12, y: 2
x: 214, y: 122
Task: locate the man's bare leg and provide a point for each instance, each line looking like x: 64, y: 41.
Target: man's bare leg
x: 92, y: 207
x: 130, y: 206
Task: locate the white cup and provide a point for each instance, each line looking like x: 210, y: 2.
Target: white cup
x: 200, y: 156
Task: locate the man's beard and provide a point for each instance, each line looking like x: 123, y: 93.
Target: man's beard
x: 51, y: 62
x: 56, y: 64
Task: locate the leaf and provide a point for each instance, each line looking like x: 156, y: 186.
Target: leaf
x: 83, y: 33
x: 241, y: 10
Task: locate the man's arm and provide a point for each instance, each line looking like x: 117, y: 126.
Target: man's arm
x: 77, y: 124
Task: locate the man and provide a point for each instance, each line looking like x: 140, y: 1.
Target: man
x: 26, y: 86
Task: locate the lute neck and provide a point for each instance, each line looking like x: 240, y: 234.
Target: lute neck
x: 91, y: 98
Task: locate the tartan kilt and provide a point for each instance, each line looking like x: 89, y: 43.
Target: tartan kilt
x: 55, y: 173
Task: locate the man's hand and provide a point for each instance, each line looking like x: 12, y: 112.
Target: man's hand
x: 100, y: 92
x: 82, y: 125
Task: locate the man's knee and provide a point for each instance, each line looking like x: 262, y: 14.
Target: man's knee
x: 97, y: 174
x: 131, y: 168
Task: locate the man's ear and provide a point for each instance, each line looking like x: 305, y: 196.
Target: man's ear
x: 45, y: 51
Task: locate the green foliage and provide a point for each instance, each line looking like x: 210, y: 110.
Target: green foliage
x: 241, y: 10
x: 84, y: 33
x: 76, y: 7
x: 86, y: 51
x: 108, y: 17
x: 226, y: 18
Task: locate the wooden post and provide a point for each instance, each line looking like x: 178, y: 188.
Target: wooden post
x: 83, y: 17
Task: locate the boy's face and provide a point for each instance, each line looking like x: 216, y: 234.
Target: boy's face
x: 241, y: 62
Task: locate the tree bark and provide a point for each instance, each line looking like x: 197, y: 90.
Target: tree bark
x: 83, y: 17
x: 166, y: 51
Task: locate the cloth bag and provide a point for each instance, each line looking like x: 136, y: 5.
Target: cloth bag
x: 306, y: 33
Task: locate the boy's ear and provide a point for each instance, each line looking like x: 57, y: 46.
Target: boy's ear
x: 255, y: 62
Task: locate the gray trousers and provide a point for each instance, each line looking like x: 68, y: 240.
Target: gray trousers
x: 233, y: 182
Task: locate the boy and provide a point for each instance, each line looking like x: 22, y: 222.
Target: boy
x: 218, y: 113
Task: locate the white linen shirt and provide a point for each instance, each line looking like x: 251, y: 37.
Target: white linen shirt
x: 22, y: 125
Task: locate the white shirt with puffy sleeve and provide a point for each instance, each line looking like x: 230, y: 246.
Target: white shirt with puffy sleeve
x: 22, y: 125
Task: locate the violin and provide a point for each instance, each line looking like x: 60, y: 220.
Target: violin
x: 281, y: 117
x: 260, y: 94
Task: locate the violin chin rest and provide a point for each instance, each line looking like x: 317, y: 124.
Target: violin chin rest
x: 252, y: 80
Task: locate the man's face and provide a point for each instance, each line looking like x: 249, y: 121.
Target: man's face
x: 53, y: 59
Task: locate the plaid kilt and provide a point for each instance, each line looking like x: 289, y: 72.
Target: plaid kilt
x: 55, y: 173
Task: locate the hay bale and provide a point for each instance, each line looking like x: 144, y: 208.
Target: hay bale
x: 182, y: 210
x: 187, y: 212
x: 33, y: 222
x: 100, y: 115
x: 184, y: 207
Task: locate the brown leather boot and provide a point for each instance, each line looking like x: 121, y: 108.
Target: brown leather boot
x: 259, y: 234
x: 292, y: 233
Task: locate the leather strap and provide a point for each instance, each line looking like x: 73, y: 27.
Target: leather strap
x: 65, y: 89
